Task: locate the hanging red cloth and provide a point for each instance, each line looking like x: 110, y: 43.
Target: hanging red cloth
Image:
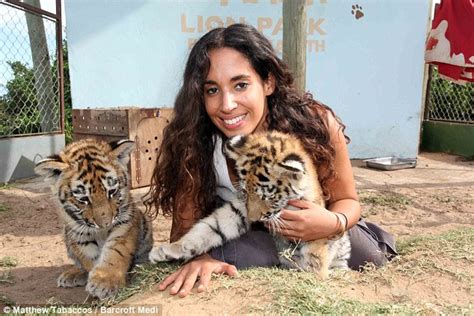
x: 450, y: 43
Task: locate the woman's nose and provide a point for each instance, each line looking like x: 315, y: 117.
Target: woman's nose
x: 228, y: 102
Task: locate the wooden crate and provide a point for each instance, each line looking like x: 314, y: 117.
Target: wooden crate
x: 143, y: 126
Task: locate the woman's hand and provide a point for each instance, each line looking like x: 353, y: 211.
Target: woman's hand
x: 311, y: 222
x: 202, y: 267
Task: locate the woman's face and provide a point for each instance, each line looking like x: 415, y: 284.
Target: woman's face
x: 235, y: 96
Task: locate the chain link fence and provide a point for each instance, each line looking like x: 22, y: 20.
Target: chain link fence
x: 29, y: 81
x: 449, y: 101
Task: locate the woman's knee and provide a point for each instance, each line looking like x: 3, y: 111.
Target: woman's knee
x: 369, y: 247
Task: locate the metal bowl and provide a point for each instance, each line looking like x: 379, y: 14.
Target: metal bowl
x: 391, y: 163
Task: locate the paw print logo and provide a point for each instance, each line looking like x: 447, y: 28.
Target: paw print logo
x: 357, y: 11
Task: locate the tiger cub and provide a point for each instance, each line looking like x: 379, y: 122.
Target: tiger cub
x: 105, y: 234
x: 272, y: 168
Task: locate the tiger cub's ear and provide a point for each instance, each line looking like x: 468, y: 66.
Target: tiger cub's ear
x: 52, y: 166
x: 234, y: 145
x: 292, y: 164
x: 121, y: 150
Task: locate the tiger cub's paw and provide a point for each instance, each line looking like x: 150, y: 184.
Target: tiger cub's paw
x: 323, y: 274
x: 72, y: 277
x: 320, y: 269
x: 167, y: 252
x: 104, y: 283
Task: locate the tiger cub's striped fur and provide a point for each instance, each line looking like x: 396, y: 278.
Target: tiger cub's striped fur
x: 105, y: 234
x: 272, y: 168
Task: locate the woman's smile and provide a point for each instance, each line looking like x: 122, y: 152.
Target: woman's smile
x: 235, y: 122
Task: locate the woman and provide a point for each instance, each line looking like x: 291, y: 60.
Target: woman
x: 235, y: 84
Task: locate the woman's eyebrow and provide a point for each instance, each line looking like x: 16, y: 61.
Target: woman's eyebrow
x: 210, y: 82
x: 239, y: 77
x: 235, y: 78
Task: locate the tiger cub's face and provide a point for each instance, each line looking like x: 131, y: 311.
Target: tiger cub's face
x: 91, y: 182
x: 273, y: 168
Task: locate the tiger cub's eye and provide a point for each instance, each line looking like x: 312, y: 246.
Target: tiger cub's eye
x: 79, y: 190
x: 84, y: 200
x: 112, y: 192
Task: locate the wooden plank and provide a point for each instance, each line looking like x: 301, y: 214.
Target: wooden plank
x: 100, y: 122
x: 294, y: 39
x: 143, y: 126
x: 147, y: 143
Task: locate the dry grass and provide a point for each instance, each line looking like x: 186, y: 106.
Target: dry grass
x: 142, y: 278
x: 6, y: 300
x: 3, y: 208
x: 5, y: 186
x: 301, y: 293
x: 8, y: 262
x: 6, y: 277
x: 421, y: 259
x: 377, y: 200
x: 294, y: 292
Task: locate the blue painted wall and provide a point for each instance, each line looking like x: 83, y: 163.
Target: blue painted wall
x: 369, y: 70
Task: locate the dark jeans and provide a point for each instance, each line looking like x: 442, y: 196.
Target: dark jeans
x: 256, y: 248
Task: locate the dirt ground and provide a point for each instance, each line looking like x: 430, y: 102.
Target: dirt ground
x: 435, y: 197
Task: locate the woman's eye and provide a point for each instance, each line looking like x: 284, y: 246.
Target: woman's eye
x: 211, y: 91
x: 241, y: 85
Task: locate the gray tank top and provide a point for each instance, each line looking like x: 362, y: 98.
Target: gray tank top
x: 225, y: 189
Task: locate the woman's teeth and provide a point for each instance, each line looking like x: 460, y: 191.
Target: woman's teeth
x: 234, y: 120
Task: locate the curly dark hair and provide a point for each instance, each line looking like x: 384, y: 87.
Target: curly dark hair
x: 184, y: 166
